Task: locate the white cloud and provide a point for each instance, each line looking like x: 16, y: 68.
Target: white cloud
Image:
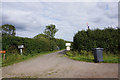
x: 31, y: 18
x: 59, y: 0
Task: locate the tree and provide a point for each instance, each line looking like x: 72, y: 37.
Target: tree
x: 8, y: 29
x: 39, y: 36
x: 50, y: 31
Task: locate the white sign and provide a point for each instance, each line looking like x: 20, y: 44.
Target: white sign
x: 68, y: 48
x: 68, y: 44
x: 21, y: 46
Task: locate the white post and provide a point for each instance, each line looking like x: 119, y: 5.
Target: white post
x: 20, y: 47
x: 68, y: 46
x: 21, y: 51
x: 4, y: 56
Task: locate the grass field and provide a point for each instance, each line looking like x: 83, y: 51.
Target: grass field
x: 89, y: 57
x: 15, y: 58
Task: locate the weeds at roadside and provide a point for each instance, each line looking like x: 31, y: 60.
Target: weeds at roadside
x: 15, y: 58
x: 89, y: 57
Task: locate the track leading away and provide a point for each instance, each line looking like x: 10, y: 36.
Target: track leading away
x: 55, y: 65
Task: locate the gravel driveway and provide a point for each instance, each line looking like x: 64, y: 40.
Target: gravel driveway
x: 55, y: 65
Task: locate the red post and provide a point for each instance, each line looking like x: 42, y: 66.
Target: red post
x: 3, y: 52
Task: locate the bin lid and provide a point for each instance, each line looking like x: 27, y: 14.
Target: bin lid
x: 97, y: 48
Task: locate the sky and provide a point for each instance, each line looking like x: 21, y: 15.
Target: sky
x: 30, y: 18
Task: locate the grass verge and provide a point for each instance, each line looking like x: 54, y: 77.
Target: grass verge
x: 15, y: 58
x: 89, y: 57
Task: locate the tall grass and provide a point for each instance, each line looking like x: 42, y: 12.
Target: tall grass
x: 89, y: 57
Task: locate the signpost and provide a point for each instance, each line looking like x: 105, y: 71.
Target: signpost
x: 20, y: 47
x: 68, y: 46
x: 3, y: 52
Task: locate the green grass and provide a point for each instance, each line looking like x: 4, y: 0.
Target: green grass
x: 89, y: 57
x: 15, y: 58
x: 110, y: 58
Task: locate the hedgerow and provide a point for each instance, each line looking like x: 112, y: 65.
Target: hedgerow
x: 10, y: 44
x: 107, y: 38
x: 31, y: 45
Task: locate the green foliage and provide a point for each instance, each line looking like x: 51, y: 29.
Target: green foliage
x: 39, y: 36
x: 8, y: 29
x: 60, y: 43
x: 50, y: 31
x: 55, y: 44
x: 10, y: 44
x: 106, y: 38
x: 36, y: 45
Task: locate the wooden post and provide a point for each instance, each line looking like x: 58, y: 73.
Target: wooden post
x: 3, y: 52
x: 3, y: 56
x: 21, y: 51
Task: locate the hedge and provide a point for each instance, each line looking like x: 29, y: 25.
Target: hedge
x: 32, y: 45
x: 107, y: 38
x: 10, y: 44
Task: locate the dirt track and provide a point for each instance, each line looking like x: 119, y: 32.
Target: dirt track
x: 55, y: 65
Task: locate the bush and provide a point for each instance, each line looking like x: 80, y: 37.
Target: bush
x: 53, y: 45
x: 60, y: 43
x: 106, y: 38
x: 10, y: 44
x: 31, y: 45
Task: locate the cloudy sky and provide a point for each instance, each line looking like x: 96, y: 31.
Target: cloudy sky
x: 30, y: 18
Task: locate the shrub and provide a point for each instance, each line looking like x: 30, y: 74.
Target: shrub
x: 31, y: 45
x: 60, y: 43
x: 10, y: 44
x: 106, y: 38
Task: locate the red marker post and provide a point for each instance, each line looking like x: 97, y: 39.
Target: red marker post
x: 87, y: 25
x: 3, y: 52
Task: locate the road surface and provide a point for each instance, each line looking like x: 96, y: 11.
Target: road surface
x: 55, y: 65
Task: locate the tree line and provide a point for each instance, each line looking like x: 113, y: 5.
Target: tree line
x: 39, y: 43
x: 107, y: 38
